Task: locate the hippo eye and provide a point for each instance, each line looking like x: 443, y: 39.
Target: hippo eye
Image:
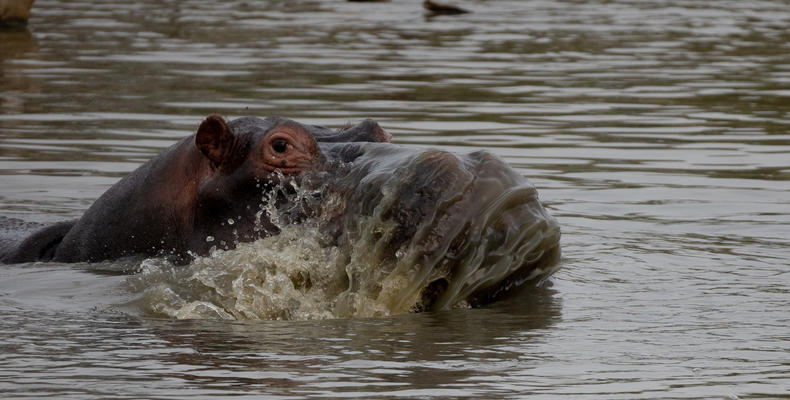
x: 280, y: 145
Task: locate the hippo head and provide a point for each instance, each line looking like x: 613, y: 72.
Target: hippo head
x: 246, y: 157
x: 249, y: 161
x: 258, y: 147
x: 420, y: 228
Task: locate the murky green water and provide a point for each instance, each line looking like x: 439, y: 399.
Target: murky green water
x: 658, y: 133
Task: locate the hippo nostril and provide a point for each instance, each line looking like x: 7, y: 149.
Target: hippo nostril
x: 280, y: 145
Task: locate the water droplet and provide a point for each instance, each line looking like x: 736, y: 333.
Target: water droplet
x: 209, y: 238
x: 231, y: 221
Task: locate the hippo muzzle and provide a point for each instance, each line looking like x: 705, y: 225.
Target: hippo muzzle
x: 432, y: 229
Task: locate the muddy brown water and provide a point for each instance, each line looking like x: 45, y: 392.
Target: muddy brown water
x: 658, y: 134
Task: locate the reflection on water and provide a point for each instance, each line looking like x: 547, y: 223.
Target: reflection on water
x: 412, y: 355
x: 657, y: 133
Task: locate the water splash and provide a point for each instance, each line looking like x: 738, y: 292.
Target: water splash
x: 289, y: 276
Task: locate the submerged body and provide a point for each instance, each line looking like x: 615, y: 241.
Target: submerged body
x: 437, y: 229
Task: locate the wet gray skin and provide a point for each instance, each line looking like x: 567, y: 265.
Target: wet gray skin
x: 436, y: 229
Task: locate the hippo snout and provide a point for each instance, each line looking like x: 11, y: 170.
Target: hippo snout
x: 444, y: 229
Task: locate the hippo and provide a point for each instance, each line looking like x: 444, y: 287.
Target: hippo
x: 466, y: 227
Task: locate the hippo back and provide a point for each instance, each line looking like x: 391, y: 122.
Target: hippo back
x: 24, y: 241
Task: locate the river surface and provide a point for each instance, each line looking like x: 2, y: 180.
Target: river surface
x: 656, y: 132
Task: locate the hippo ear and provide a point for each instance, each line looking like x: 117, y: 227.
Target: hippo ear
x: 214, y: 139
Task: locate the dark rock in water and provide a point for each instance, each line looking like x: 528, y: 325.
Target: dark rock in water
x: 443, y: 9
